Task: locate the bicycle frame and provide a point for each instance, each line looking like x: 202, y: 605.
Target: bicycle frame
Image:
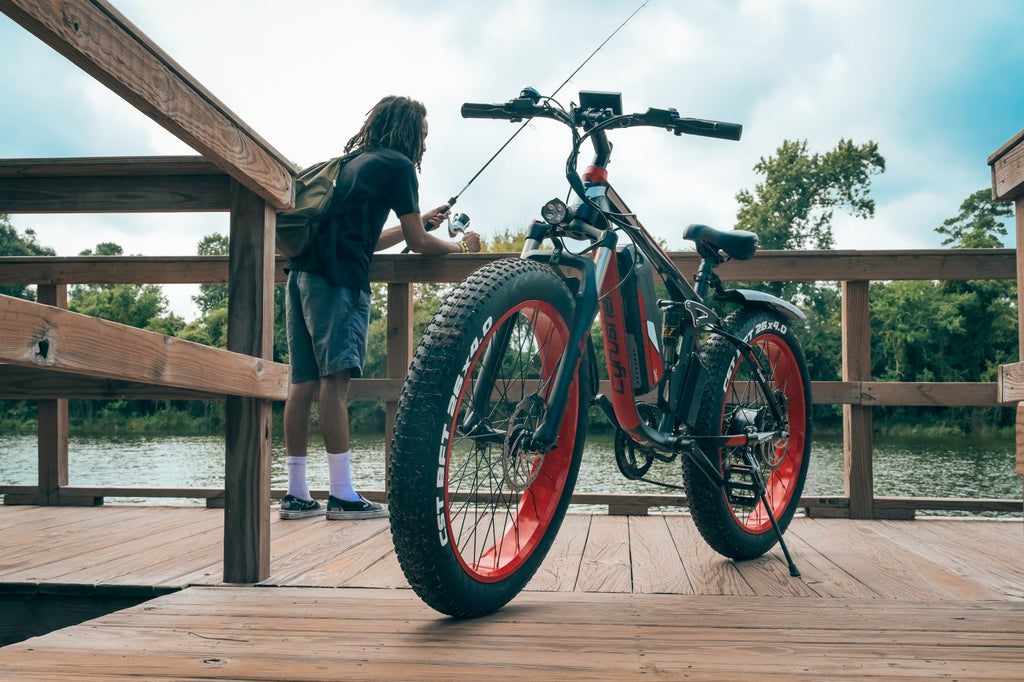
x: 687, y: 316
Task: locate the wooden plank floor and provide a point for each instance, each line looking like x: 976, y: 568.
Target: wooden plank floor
x: 253, y: 633
x: 617, y: 598
x: 174, y: 547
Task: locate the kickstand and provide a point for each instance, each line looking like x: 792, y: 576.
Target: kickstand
x: 762, y: 496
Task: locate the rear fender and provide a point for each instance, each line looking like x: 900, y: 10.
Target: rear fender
x: 749, y: 297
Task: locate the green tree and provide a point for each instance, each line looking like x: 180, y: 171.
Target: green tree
x: 211, y: 328
x: 793, y: 207
x: 137, y: 305
x: 104, y: 249
x: 212, y: 296
x: 13, y: 243
x: 949, y: 330
x: 509, y: 240
x: 979, y: 224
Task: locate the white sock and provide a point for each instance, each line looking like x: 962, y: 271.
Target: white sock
x: 340, y: 468
x: 297, y: 484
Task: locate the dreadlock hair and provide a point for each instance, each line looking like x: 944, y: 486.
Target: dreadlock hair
x: 393, y: 123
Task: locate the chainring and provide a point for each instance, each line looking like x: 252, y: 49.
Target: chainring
x: 634, y: 460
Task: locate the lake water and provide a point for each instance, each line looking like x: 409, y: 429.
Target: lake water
x: 924, y: 467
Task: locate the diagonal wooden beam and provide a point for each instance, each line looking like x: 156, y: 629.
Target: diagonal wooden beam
x: 103, y: 43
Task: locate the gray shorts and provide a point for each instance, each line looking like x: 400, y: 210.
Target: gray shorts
x: 327, y: 326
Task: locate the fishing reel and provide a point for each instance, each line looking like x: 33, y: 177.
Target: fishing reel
x: 457, y: 225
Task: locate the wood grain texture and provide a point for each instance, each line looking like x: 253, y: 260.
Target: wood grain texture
x: 44, y: 337
x: 1008, y: 170
x: 239, y: 633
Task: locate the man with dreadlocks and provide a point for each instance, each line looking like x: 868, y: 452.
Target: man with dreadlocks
x: 328, y: 295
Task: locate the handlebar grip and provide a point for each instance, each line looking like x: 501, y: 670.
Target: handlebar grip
x: 717, y: 129
x: 478, y: 110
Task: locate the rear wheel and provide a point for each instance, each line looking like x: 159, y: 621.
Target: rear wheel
x: 733, y: 520
x: 474, y: 509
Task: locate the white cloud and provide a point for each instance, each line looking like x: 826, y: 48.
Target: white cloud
x: 926, y: 80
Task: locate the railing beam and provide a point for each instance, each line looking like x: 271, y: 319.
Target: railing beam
x: 859, y: 394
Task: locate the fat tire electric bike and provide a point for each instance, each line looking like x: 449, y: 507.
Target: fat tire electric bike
x: 492, y: 419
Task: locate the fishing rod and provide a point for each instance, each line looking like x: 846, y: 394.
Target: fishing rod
x: 462, y: 220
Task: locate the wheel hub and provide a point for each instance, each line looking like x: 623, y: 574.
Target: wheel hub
x: 520, y: 464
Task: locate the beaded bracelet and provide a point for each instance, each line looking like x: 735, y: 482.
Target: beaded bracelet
x: 464, y: 246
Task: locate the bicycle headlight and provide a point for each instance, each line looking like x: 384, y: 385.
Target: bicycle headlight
x: 555, y: 212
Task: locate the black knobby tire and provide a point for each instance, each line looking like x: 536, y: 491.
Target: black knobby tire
x: 732, y: 521
x: 473, y: 512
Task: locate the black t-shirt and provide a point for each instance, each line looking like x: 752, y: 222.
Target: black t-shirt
x: 369, y: 187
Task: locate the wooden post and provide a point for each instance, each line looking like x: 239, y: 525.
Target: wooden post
x: 248, y: 443
x: 52, y: 420
x: 399, y: 351
x: 1019, y: 213
x: 858, y: 438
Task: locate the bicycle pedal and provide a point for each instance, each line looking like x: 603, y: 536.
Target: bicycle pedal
x: 739, y: 470
x: 750, y: 487
x: 743, y: 501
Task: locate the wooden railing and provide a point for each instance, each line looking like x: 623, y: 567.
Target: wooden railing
x: 1007, y: 164
x: 856, y: 391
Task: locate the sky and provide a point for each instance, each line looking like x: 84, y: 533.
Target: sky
x: 931, y: 81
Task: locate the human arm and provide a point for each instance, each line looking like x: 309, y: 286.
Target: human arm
x: 411, y: 229
x: 421, y: 241
x: 396, y: 234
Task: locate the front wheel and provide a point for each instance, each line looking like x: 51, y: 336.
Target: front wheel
x: 733, y: 520
x: 474, y: 509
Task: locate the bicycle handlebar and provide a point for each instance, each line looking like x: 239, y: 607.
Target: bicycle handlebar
x: 477, y: 110
x: 525, y: 107
x: 668, y: 118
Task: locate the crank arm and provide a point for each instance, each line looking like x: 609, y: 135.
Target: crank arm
x: 740, y: 440
x: 753, y: 438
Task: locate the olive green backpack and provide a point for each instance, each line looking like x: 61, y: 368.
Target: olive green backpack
x: 297, y: 228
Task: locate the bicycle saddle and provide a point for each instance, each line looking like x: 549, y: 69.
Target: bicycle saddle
x: 738, y: 244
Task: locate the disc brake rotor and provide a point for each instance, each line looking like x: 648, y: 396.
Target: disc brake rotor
x: 520, y: 467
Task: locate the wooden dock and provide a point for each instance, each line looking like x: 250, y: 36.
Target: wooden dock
x: 618, y: 598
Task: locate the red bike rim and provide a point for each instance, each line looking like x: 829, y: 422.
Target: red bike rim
x: 781, y: 482
x: 525, y: 521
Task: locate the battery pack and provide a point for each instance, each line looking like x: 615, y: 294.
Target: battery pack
x: 642, y: 319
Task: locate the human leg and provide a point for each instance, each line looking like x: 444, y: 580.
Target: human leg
x: 344, y: 502
x: 337, y: 319
x: 298, y: 503
x: 296, y: 435
x: 333, y: 411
